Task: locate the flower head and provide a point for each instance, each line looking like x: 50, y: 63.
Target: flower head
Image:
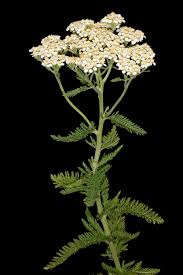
x: 128, y: 34
x: 113, y: 19
x: 91, y: 45
x: 79, y: 26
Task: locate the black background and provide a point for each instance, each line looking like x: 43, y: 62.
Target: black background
x: 44, y: 220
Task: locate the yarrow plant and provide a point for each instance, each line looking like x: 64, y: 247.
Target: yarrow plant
x: 92, y: 51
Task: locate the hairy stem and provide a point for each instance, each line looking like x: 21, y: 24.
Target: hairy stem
x: 95, y: 165
x: 57, y: 76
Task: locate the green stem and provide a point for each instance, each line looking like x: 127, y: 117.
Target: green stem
x: 126, y: 85
x: 109, y: 71
x: 99, y: 131
x: 69, y: 101
x: 95, y: 166
x: 108, y: 234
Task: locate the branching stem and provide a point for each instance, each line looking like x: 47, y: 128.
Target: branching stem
x: 126, y: 85
x: 99, y: 134
x: 57, y: 76
x: 95, y: 165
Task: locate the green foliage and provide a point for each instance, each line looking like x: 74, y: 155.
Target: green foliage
x: 86, y: 169
x: 138, y: 269
x: 128, y: 270
x: 78, y: 134
x: 92, y: 142
x: 111, y: 139
x: 108, y: 157
x: 94, y: 185
x: 117, y: 79
x: 110, y: 269
x: 80, y: 75
x: 138, y: 209
x: 125, y: 123
x: 68, y: 182
x: 92, y: 225
x: 83, y: 241
x: 150, y: 271
x: 116, y: 220
x: 105, y: 191
x: 77, y: 91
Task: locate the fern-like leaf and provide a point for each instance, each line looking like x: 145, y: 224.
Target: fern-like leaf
x: 68, y: 182
x: 126, y: 237
x: 111, y: 139
x: 125, y: 123
x: 117, y: 79
x: 111, y: 269
x: 77, y: 91
x: 127, y: 265
x: 78, y: 134
x: 149, y: 271
x: 138, y: 269
x: 108, y: 157
x: 138, y: 209
x: 105, y: 191
x: 93, y: 183
x: 92, y: 142
x: 92, y: 225
x: 81, y: 76
x: 86, y: 169
x: 83, y: 241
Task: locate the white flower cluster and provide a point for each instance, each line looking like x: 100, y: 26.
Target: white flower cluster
x: 128, y: 34
x: 113, y: 19
x: 49, y: 51
x: 79, y: 26
x: 91, y: 45
x: 133, y: 59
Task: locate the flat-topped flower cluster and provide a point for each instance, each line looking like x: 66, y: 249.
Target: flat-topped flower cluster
x: 92, y: 45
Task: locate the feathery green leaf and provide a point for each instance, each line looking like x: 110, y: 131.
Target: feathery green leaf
x: 125, y: 123
x: 77, y: 91
x: 111, y: 139
x: 126, y: 237
x: 105, y: 191
x: 69, y: 182
x: 108, y: 157
x: 92, y: 225
x: 126, y: 265
x: 138, y: 209
x: 83, y: 241
x: 137, y: 269
x: 86, y: 169
x: 111, y: 269
x: 92, y: 142
x: 78, y: 134
x: 117, y: 79
x: 150, y: 271
x: 93, y: 183
x: 81, y: 76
